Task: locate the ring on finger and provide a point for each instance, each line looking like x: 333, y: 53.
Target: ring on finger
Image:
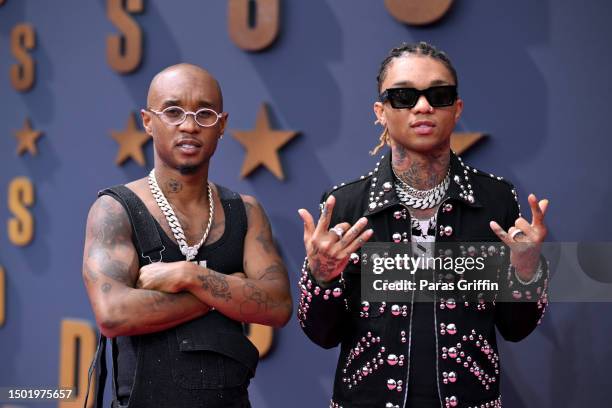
x: 338, y: 231
x: 515, y: 233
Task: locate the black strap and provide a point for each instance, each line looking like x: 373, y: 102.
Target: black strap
x: 149, y: 243
x: 227, y: 194
x: 114, y: 351
x: 100, y: 361
x: 143, y: 225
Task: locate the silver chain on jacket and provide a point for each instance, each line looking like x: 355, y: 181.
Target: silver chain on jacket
x: 190, y: 252
x: 421, y: 199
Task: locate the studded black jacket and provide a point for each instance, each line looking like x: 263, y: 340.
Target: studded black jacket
x: 375, y: 337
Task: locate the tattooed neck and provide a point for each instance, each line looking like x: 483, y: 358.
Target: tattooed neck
x: 181, y: 187
x: 420, y: 171
x: 173, y: 186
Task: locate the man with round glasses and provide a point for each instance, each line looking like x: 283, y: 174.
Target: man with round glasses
x: 434, y: 349
x: 175, y: 115
x: 174, y: 264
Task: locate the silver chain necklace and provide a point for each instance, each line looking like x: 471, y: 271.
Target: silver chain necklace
x: 190, y: 252
x: 421, y: 199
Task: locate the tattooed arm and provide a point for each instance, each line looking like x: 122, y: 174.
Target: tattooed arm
x: 110, y: 270
x: 262, y: 297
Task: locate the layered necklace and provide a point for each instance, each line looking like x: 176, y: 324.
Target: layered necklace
x: 190, y: 252
x: 421, y: 199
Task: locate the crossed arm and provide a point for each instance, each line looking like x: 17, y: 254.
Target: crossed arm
x: 110, y: 272
x: 128, y: 301
x: 261, y: 296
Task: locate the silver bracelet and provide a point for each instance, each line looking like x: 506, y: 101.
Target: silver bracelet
x: 536, y: 276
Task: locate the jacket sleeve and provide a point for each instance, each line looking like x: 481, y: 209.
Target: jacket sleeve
x: 522, y: 304
x: 322, y: 310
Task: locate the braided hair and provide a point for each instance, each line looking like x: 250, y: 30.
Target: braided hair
x: 420, y: 48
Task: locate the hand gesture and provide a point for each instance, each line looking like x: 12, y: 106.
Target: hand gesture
x: 525, y: 239
x: 328, y: 250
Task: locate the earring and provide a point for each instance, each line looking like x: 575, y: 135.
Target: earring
x: 221, y: 136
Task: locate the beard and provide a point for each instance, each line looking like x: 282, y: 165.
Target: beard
x: 187, y: 169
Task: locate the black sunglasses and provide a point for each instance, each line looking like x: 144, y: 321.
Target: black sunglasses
x: 406, y: 98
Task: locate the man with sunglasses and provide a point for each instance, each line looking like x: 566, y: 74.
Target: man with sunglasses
x: 174, y: 264
x: 436, y: 348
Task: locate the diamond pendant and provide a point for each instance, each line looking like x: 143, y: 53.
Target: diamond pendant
x: 189, y: 252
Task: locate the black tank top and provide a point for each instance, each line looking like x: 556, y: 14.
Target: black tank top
x: 178, y: 367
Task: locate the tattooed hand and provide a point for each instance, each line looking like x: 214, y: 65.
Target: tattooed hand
x: 327, y: 252
x: 169, y: 277
x: 525, y: 238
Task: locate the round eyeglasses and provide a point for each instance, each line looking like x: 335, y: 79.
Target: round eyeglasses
x: 175, y: 115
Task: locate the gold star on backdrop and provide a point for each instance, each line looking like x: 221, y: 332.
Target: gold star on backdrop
x: 262, y: 145
x: 27, y: 139
x: 463, y: 141
x: 131, y: 142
